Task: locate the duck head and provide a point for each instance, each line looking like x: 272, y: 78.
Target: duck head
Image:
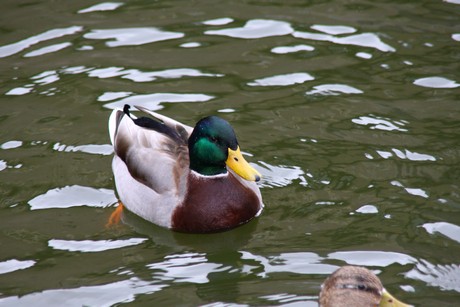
x: 213, y: 146
x: 355, y: 286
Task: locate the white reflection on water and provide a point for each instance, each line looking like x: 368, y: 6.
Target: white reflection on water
x: 367, y: 209
x: 18, y: 91
x: 283, y: 80
x: 3, y: 165
x: 456, y: 37
x: 380, y: 123
x: 101, y: 295
x: 279, y: 175
x: 372, y: 258
x: 446, y: 277
x: 132, y: 36
x: 364, y: 40
x: 298, y: 263
x: 436, y: 82
x: 105, y: 6
x: 105, y: 149
x: 333, y: 30
x: 291, y: 49
x: 412, y: 191
x: 107, y: 96
x: 153, y: 101
x: 449, y: 230
x: 73, y: 196
x: 46, y: 77
x: 364, y: 55
x: 140, y: 76
x: 189, y: 267
x: 256, y: 28
x: 48, y: 49
x: 92, y: 246
x: 333, y: 89
x: 11, y: 144
x: 292, y: 300
x: 14, y: 265
x: 190, y: 45
x: 218, y: 21
x: 407, y: 154
x: 413, y: 156
x: 14, y: 48
x: 51, y: 76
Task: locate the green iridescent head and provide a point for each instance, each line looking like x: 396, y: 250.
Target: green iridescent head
x: 213, y: 146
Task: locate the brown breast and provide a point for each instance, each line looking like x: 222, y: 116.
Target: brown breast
x: 215, y: 204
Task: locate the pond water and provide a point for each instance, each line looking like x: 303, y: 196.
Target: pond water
x: 350, y: 110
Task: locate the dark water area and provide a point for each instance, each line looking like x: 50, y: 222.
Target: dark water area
x: 350, y: 110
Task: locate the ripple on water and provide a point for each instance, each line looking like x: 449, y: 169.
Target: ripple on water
x: 3, y: 165
x: 367, y: 209
x: 449, y: 230
x: 290, y: 300
x: 189, y: 267
x: 73, y: 196
x: 381, y: 123
x: 297, y: 262
x: 14, y: 48
x: 15, y: 265
x: 153, y: 101
x: 334, y: 30
x: 140, y: 76
x: 370, y: 40
x: 279, y: 175
x: 51, y: 76
x: 411, y: 191
x: 283, y: 80
x: 132, y: 36
x: 105, y: 6
x: 190, y: 45
x: 372, y: 258
x: 364, y: 55
x: 446, y: 277
x: 101, y: 295
x: 256, y: 28
x: 333, y: 89
x: 92, y: 246
x: 407, y: 154
x: 218, y: 21
x: 11, y: 144
x: 105, y: 149
x: 291, y: 49
x: 436, y: 82
x: 48, y: 49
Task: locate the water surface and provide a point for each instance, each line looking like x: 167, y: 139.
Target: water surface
x: 350, y: 110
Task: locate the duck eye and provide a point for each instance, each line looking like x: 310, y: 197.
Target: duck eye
x: 361, y: 287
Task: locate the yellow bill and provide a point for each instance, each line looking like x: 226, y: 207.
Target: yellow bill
x: 388, y: 300
x: 240, y: 166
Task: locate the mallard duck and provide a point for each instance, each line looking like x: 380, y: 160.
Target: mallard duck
x: 355, y: 286
x: 187, y: 179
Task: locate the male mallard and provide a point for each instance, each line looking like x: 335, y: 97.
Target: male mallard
x: 183, y: 178
x: 355, y: 286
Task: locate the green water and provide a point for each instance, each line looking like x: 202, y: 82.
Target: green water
x: 350, y: 110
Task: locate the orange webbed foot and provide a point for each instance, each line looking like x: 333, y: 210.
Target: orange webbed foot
x: 115, y: 217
